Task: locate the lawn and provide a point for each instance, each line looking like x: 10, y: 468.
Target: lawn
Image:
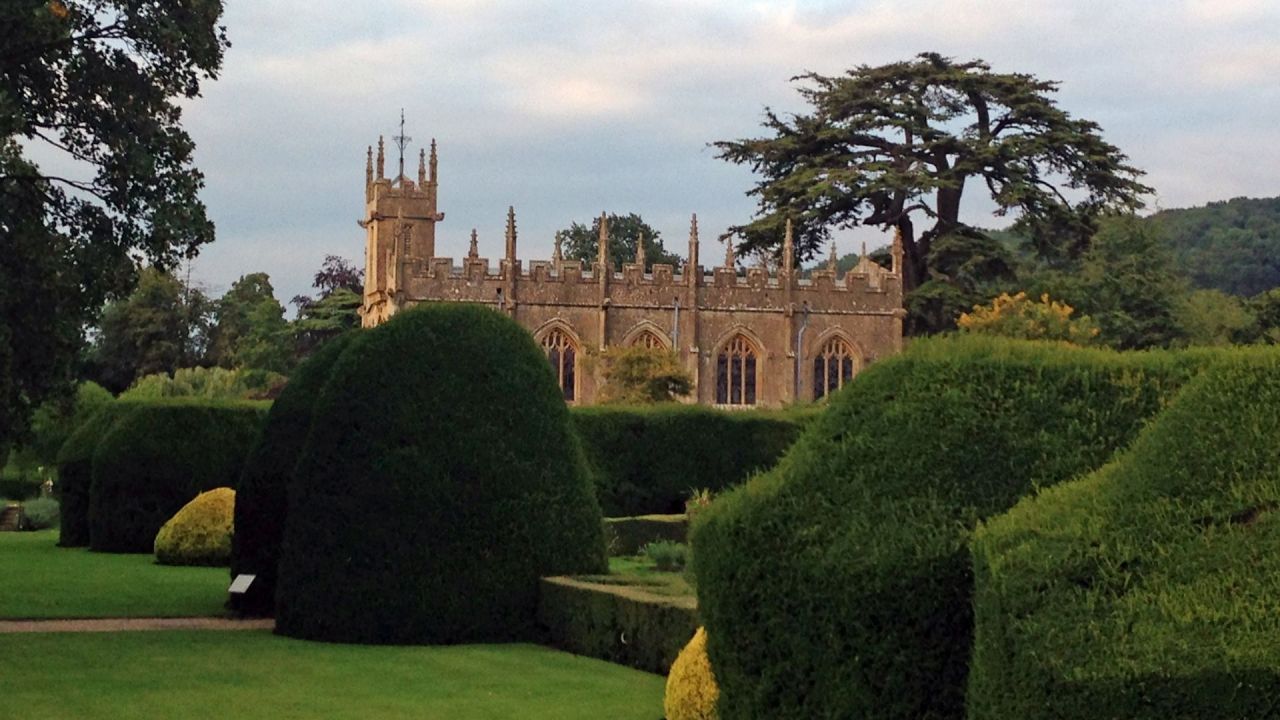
x: 251, y: 674
x: 42, y: 580
x: 639, y: 571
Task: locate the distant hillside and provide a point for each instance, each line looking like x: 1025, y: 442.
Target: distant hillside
x: 1233, y: 246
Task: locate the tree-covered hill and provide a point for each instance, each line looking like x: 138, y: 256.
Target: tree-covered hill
x: 1232, y: 246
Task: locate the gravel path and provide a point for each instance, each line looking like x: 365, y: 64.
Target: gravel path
x: 120, y: 624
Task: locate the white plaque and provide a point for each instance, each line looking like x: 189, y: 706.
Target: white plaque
x: 241, y: 584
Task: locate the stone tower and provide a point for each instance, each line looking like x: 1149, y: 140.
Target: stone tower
x: 400, y: 225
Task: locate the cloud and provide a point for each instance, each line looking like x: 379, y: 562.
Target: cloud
x: 567, y: 109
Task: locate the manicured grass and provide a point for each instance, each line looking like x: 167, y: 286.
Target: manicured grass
x: 639, y: 571
x: 42, y: 580
x: 250, y: 674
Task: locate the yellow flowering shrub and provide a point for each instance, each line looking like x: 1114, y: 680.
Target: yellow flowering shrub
x: 691, y: 685
x: 200, y: 533
x: 1021, y: 318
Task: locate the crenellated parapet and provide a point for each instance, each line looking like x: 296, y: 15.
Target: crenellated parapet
x: 762, y: 335
x: 866, y: 288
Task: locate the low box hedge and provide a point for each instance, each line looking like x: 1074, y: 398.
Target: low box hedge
x: 629, y: 535
x: 647, y: 460
x: 1150, y: 588
x: 839, y: 584
x: 156, y: 458
x: 623, y: 624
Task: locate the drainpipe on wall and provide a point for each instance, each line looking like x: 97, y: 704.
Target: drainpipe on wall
x: 804, y: 324
x: 675, y: 329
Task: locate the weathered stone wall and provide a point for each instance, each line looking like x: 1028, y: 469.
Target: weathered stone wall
x: 862, y: 308
x: 695, y: 315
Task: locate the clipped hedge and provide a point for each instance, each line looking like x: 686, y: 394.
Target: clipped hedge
x: 623, y: 624
x: 200, y: 533
x: 159, y: 456
x: 440, y: 480
x: 75, y: 471
x: 629, y: 535
x: 18, y: 489
x: 647, y: 460
x: 839, y: 584
x: 261, y: 499
x: 1150, y: 588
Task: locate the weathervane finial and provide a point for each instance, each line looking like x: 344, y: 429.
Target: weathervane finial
x: 401, y: 141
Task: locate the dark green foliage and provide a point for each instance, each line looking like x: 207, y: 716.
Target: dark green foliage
x: 896, y: 144
x: 19, y: 487
x: 75, y: 471
x: 629, y: 535
x: 337, y: 308
x: 1128, y: 283
x: 155, y: 459
x: 261, y: 505
x: 158, y: 328
x: 250, y: 330
x: 96, y: 86
x: 441, y: 478
x: 55, y: 420
x: 582, y: 242
x: 621, y: 624
x: 647, y: 460
x: 39, y: 514
x: 1149, y: 588
x: 1232, y: 246
x: 838, y: 584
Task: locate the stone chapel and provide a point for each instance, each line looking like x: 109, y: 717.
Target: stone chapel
x: 747, y: 337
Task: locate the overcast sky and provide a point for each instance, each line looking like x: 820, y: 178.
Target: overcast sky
x: 565, y: 109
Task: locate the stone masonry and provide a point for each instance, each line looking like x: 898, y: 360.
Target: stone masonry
x: 747, y: 337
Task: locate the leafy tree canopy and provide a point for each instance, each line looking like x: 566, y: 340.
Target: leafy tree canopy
x: 1232, y: 246
x: 156, y: 329
x: 582, y: 242
x: 1128, y: 283
x: 209, y: 383
x: 895, y: 144
x: 250, y: 330
x: 640, y: 376
x: 1212, y: 317
x: 336, y: 309
x: 95, y: 81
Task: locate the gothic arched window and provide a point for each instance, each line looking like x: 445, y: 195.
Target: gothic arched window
x: 563, y: 356
x: 736, y: 367
x: 833, y: 367
x: 648, y: 339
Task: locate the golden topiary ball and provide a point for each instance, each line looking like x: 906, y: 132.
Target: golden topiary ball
x: 691, y: 685
x: 200, y: 533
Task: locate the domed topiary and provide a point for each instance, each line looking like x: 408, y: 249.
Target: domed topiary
x: 261, y: 505
x: 691, y: 685
x: 200, y: 534
x: 441, y: 478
